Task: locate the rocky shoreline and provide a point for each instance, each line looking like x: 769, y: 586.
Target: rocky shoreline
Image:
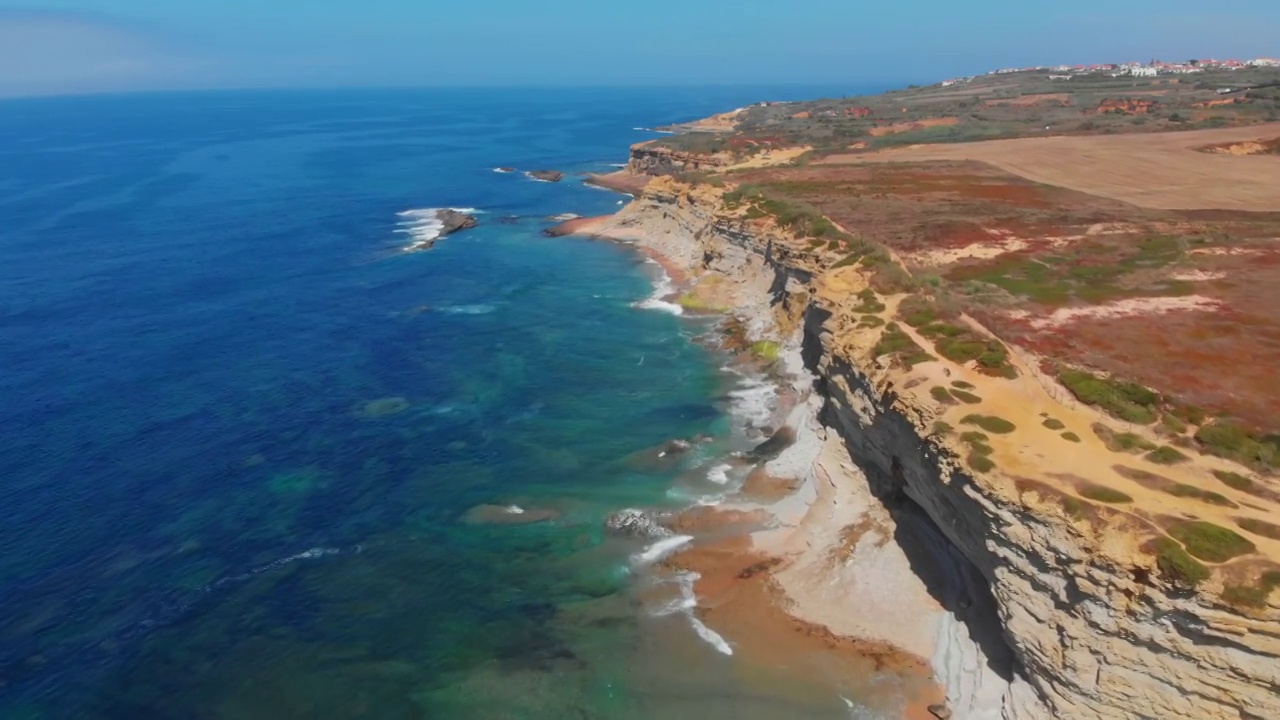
x: 826, y: 544
x: 1030, y: 611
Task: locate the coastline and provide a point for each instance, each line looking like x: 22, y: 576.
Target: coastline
x: 786, y: 556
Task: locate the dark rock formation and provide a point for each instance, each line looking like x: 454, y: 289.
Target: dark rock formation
x: 454, y: 221
x: 635, y: 524
x: 546, y: 175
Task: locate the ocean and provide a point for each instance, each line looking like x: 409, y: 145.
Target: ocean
x: 260, y: 461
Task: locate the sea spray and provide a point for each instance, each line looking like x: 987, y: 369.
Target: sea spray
x: 661, y: 549
x: 424, y: 226
x: 664, y: 287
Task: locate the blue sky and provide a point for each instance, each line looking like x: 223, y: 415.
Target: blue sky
x: 66, y: 46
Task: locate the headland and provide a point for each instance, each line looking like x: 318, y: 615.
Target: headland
x: 1030, y: 462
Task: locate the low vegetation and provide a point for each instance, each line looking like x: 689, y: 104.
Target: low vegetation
x: 966, y: 397
x: 1184, y: 490
x: 1253, y: 596
x: 767, y: 350
x: 870, y: 303
x: 957, y: 343
x: 962, y: 385
x: 990, y: 423
x: 1166, y: 455
x: 1235, y: 481
x: 1209, y: 542
x: 1071, y: 437
x: 979, y: 451
x: 895, y: 342
x: 1259, y: 528
x: 1122, y: 442
x: 1229, y: 440
x: 942, y: 395
x: 1054, y: 424
x: 1125, y: 400
x: 1104, y: 494
x: 1176, y: 565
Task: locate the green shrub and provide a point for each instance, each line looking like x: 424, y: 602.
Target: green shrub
x: 1054, y: 424
x: 966, y: 397
x: 1173, y: 424
x: 1191, y: 491
x: 1104, y: 494
x: 1175, y: 565
x: 1235, y: 481
x: 979, y: 462
x: 1071, y: 437
x: 973, y: 437
x: 1128, y: 401
x: 941, y: 394
x: 962, y: 384
x: 942, y: 428
x: 990, y: 423
x: 1210, y: 542
x: 766, y: 350
x: 1254, y: 596
x: 1166, y: 456
x: 1259, y: 528
x: 1233, y: 442
x: 870, y: 303
x: 870, y: 321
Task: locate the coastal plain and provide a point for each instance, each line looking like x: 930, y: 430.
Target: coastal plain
x: 1029, y: 325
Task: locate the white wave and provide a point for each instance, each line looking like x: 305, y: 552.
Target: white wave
x: 531, y: 176
x: 754, y: 402
x: 564, y: 217
x: 477, y: 309
x: 662, y: 287
x: 661, y: 305
x: 622, y: 202
x: 514, y: 510
x: 711, y: 636
x: 424, y: 226
x: 503, y: 171
x: 661, y: 549
x: 719, y: 474
x: 617, y: 165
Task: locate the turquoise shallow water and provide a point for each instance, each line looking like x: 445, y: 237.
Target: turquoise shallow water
x: 204, y: 517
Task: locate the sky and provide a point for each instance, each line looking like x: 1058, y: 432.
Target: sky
x: 51, y: 47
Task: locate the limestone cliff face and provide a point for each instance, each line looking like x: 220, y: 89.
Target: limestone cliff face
x: 1086, y: 618
x: 648, y: 159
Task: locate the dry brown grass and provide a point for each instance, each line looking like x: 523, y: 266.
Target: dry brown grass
x: 1155, y: 170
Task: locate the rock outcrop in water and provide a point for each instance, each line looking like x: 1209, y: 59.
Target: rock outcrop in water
x: 551, y: 176
x: 453, y: 221
x: 1090, y: 626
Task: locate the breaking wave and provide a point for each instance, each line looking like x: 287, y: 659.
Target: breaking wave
x: 663, y: 287
x: 423, y: 225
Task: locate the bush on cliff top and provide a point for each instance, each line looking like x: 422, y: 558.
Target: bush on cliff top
x: 1233, y: 442
x: 1175, y: 565
x: 990, y: 423
x: 1210, y: 542
x: 1125, y: 400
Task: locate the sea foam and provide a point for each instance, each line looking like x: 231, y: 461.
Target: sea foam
x: 423, y: 225
x: 661, y: 549
x: 663, y: 287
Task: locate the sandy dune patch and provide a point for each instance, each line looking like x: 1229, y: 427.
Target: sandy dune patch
x: 1128, y: 308
x: 977, y: 251
x: 771, y: 158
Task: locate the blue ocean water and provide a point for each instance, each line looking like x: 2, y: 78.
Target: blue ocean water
x: 242, y: 429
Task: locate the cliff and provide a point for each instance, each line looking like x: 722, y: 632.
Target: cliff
x: 1090, y: 624
x: 650, y: 159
